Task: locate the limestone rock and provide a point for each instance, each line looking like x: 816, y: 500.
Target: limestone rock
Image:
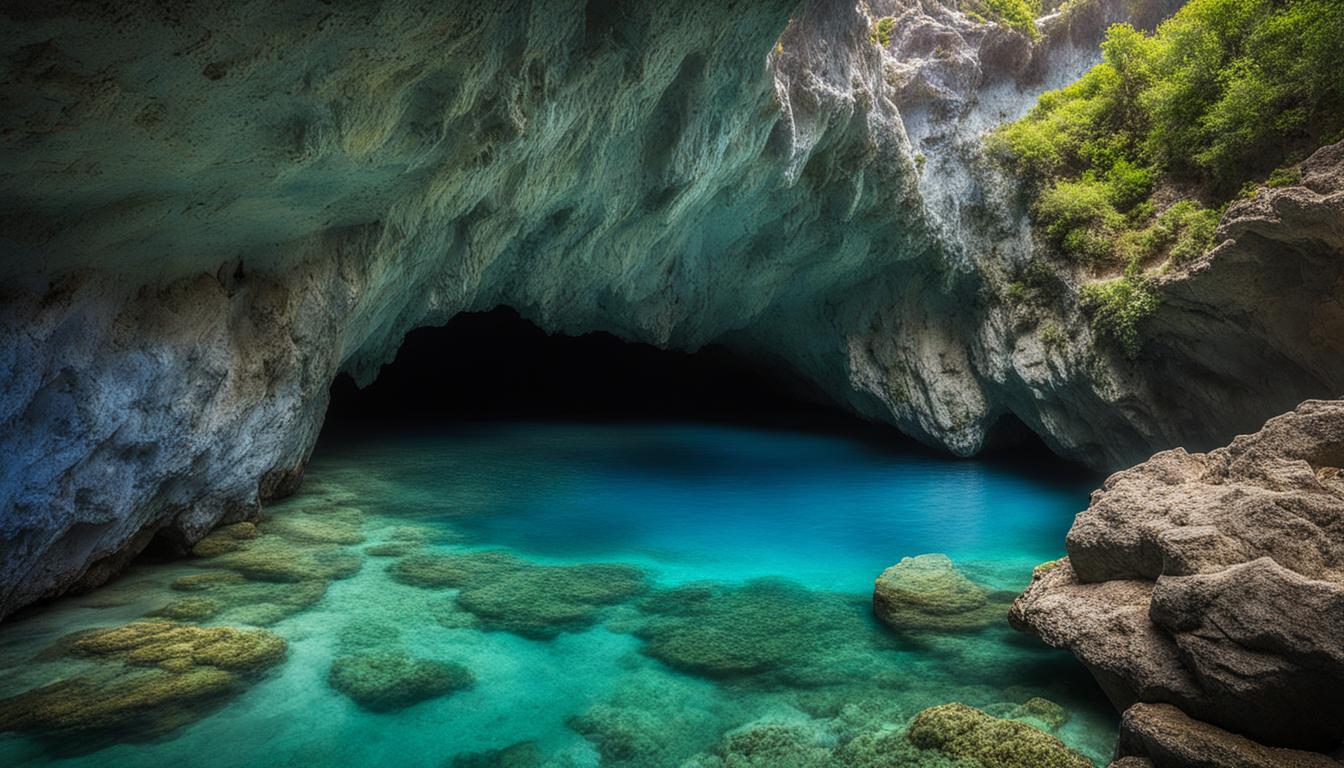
x: 1163, y: 736
x: 1215, y: 582
x: 928, y: 593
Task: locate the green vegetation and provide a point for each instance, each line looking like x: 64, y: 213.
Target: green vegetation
x: 1116, y: 307
x: 1133, y: 163
x: 881, y: 34
x: 1014, y: 14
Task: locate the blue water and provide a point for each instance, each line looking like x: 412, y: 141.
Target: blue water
x: 685, y: 504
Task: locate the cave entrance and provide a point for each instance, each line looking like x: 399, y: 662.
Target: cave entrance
x: 491, y: 366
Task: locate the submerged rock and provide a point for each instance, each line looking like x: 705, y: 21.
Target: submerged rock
x: 524, y: 754
x: 1215, y: 582
x: 151, y: 678
x: 770, y: 631
x: 965, y: 732
x: 390, y: 680
x: 505, y: 592
x: 928, y: 593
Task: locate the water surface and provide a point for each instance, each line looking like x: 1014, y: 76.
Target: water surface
x: 781, y: 534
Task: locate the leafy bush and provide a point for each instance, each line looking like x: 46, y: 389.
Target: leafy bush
x: 881, y: 34
x: 1117, y: 307
x: 1014, y: 14
x: 1223, y: 93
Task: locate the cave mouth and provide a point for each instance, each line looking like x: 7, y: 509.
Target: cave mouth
x: 496, y: 365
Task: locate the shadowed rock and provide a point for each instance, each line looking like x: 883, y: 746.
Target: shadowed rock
x: 1215, y: 582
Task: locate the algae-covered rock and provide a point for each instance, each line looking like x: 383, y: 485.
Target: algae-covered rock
x: 224, y: 539
x: 200, y: 582
x: 771, y: 745
x: 392, y: 680
x: 163, y: 642
x: 273, y: 558
x: 1041, y: 713
x: 890, y: 748
x: 965, y: 732
x: 391, y: 549
x: 928, y: 594
x: 507, y: 593
x: 150, y: 678
x: 453, y: 570
x: 770, y: 629
x: 524, y: 754
x: 190, y: 609
x: 325, y: 525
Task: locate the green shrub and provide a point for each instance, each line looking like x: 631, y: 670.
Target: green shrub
x: 881, y: 34
x: 1223, y: 93
x: 1014, y: 14
x: 1117, y: 308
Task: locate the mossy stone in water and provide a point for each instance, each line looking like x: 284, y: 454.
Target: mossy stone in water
x: 928, y: 594
x: 507, y: 593
x: 453, y: 570
x: 323, y: 525
x: 890, y: 748
x: 965, y: 732
x: 273, y: 558
x: 768, y: 746
x: 152, y: 677
x: 200, y: 582
x: 155, y: 642
x: 391, y: 549
x: 524, y: 754
x: 1038, y: 712
x: 190, y: 609
x: 391, y: 680
x: 770, y: 629
x: 541, y: 601
x: 224, y: 539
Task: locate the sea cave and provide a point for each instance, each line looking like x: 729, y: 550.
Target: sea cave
x: 793, y: 383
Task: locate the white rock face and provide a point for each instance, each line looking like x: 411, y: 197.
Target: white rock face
x: 210, y: 212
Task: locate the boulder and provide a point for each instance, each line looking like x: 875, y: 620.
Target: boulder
x: 928, y: 593
x: 1215, y: 582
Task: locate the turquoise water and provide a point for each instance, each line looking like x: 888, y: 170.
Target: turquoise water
x: 780, y: 535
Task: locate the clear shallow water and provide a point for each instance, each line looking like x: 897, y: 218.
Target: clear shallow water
x: 686, y: 504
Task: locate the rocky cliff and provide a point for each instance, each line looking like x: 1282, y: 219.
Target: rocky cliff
x: 212, y: 209
x: 1215, y: 583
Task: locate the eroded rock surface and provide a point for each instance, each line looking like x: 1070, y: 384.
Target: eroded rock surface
x: 1215, y: 582
x: 211, y: 212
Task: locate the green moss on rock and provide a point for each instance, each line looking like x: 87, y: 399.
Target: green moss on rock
x: 150, y: 678
x: 770, y: 630
x: 508, y: 593
x: 928, y: 594
x: 390, y: 680
x: 190, y: 609
x: 965, y: 732
x: 524, y: 754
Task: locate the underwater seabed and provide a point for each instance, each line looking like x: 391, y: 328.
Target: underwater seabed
x: 566, y: 595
